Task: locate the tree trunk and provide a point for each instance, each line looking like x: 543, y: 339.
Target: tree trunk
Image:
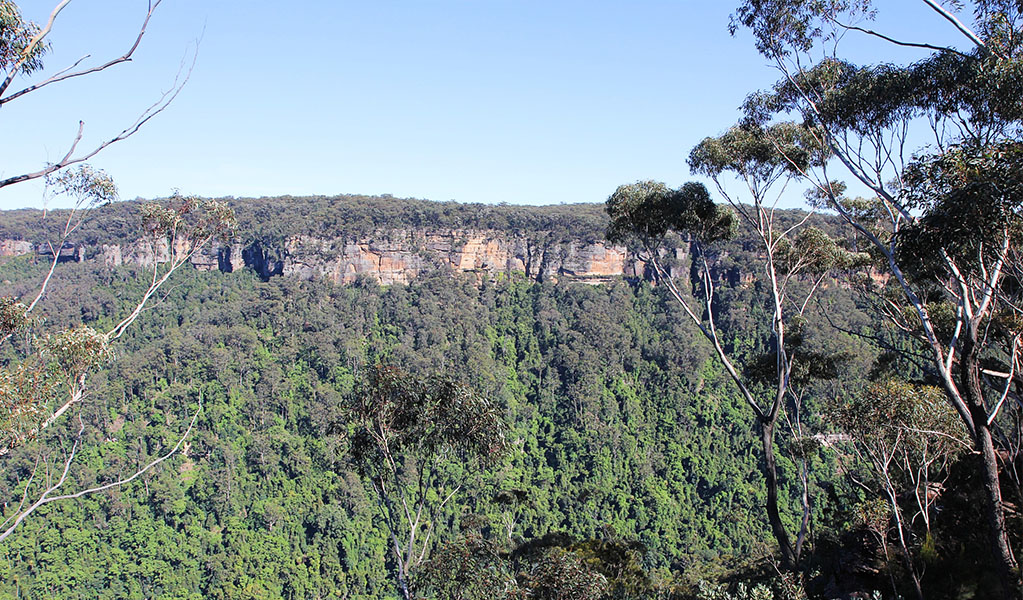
x: 1005, y: 563
x: 907, y: 557
x: 400, y: 569
x: 404, y: 587
x: 788, y: 557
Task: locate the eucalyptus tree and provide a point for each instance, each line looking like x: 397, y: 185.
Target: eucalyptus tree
x: 908, y: 437
x: 796, y: 259
x: 413, y: 441
x: 45, y: 384
x: 470, y: 568
x: 937, y: 142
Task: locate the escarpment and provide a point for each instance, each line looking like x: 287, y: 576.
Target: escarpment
x: 386, y: 239
x: 388, y: 256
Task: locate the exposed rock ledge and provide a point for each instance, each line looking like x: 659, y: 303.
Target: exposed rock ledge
x: 389, y: 256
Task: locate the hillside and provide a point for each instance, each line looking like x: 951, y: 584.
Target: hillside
x: 625, y: 428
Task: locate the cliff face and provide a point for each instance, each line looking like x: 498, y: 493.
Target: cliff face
x: 388, y: 256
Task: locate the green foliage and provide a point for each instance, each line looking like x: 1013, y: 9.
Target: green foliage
x: 620, y: 562
x: 971, y: 202
x: 649, y: 209
x: 708, y: 591
x: 190, y: 219
x: 91, y: 187
x: 25, y: 391
x: 909, y: 438
x: 398, y: 413
x: 815, y: 253
x: 409, y: 434
x: 617, y: 417
x: 466, y: 569
x: 866, y: 99
x: 891, y: 414
x: 890, y: 409
x: 781, y: 26
x: 15, y: 36
x: 759, y: 154
x: 13, y: 316
x: 598, y: 385
x: 613, y: 566
x: 558, y: 574
x: 76, y: 351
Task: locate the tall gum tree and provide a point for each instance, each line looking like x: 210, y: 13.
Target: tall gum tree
x: 796, y: 260
x: 945, y: 220
x: 414, y: 441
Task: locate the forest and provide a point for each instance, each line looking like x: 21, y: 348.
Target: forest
x: 629, y: 443
x: 780, y: 404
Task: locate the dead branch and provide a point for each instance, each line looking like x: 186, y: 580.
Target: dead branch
x: 70, y: 158
x: 69, y: 73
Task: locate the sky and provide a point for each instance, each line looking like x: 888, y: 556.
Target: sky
x: 514, y: 101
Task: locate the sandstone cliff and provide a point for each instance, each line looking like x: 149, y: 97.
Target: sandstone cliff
x: 390, y: 240
x: 388, y: 256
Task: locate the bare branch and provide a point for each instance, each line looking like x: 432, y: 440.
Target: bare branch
x: 892, y: 40
x: 71, y: 159
x: 32, y: 45
x: 67, y: 73
x: 45, y: 498
x: 938, y: 8
x: 1008, y: 381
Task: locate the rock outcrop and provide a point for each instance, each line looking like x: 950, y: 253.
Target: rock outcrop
x: 15, y: 247
x: 388, y: 256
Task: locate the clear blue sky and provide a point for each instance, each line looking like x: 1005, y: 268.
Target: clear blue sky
x: 517, y: 101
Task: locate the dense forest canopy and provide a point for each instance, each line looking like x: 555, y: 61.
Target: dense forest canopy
x: 347, y: 216
x: 625, y: 430
x: 272, y: 220
x: 599, y: 385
